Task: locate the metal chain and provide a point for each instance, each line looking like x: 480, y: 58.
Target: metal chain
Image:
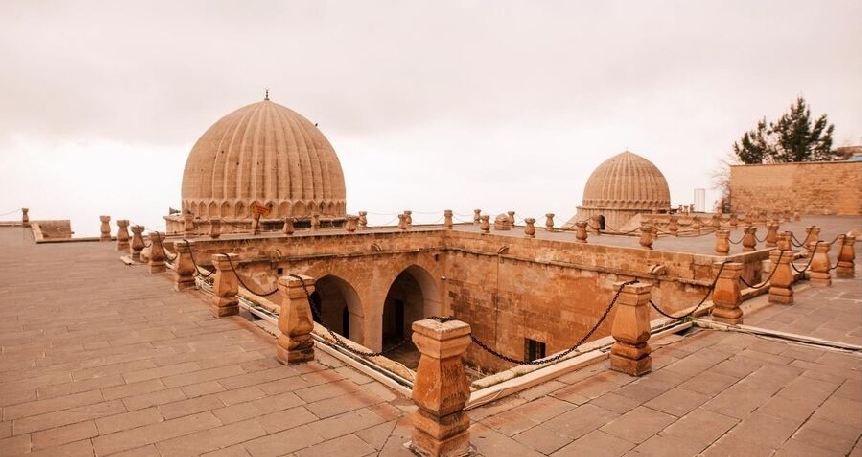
x: 735, y: 242
x: 699, y: 304
x: 771, y: 273
x: 559, y: 355
x: 239, y: 278
x: 795, y: 240
x: 197, y: 268
x: 810, y: 259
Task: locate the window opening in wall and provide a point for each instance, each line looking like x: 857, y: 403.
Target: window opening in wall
x: 533, y: 350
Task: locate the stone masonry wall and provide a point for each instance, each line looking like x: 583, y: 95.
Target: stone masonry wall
x: 833, y: 188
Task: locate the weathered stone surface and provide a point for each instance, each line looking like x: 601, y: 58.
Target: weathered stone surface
x: 225, y: 286
x: 295, y: 320
x: 727, y: 297
x: 631, y: 330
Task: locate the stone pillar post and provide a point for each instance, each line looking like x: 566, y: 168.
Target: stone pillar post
x: 288, y: 227
x: 811, y: 239
x: 440, y: 425
x: 351, y: 223
x: 733, y: 220
x: 477, y: 216
x: 157, y: 253
x: 716, y: 221
x: 796, y: 217
x: 695, y: 224
x: 780, y: 286
x: 315, y: 221
x: 846, y: 257
x: 595, y: 225
x: 363, y: 220
x: 511, y: 218
x: 646, y: 238
x: 447, y: 218
x: 408, y: 218
x: 772, y: 235
x: 631, y: 330
x: 485, y: 223
x: 673, y: 225
x: 215, y: 228
x: 530, y: 227
x: 819, y: 272
x: 295, y: 321
x: 184, y: 269
x: 549, y: 221
x: 726, y: 297
x: 225, y: 287
x: 105, y: 228
x: 402, y: 222
x: 749, y: 240
x: 25, y: 217
x: 581, y: 231
x: 784, y: 241
x: 189, y: 224
x: 137, y: 244
x: 722, y: 241
x: 122, y: 235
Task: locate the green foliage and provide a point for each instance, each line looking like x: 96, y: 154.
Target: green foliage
x: 792, y: 138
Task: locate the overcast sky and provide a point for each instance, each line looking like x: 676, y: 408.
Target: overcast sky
x: 429, y: 105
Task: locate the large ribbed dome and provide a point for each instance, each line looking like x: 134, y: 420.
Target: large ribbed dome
x: 267, y: 154
x: 627, y: 181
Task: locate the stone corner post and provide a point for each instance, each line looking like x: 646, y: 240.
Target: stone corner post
x: 408, y: 218
x: 25, y: 217
x: 215, y: 228
x: 184, y: 270
x: 351, y: 223
x: 749, y: 240
x: 157, y: 253
x: 673, y: 225
x: 530, y: 227
x: 485, y: 223
x: 722, y: 241
x: 511, y: 218
x: 288, y: 228
x: 726, y: 297
x: 295, y: 322
x: 447, y: 218
x: 137, y: 244
x: 646, y: 235
x: 780, y: 286
x: 846, y: 256
x: 123, y: 235
x: 772, y: 235
x: 225, y: 287
x: 363, y: 220
x: 549, y: 221
x: 440, y: 425
x: 402, y: 222
x: 819, y: 272
x: 477, y: 216
x: 631, y: 329
x: 581, y: 231
x: 105, y: 228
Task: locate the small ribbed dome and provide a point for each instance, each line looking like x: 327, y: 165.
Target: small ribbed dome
x: 267, y: 154
x: 627, y: 181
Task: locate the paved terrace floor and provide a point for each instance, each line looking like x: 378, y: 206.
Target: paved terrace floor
x: 98, y: 358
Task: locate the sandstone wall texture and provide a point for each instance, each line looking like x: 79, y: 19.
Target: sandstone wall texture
x: 823, y: 188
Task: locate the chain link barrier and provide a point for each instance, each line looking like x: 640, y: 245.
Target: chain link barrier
x: 10, y: 212
x: 197, y: 268
x: 771, y: 273
x: 810, y: 259
x: 699, y: 304
x: 242, y: 283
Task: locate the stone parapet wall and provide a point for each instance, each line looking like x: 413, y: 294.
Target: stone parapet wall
x: 823, y: 188
x: 55, y: 229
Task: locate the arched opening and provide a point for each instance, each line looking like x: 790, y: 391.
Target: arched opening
x: 413, y: 295
x: 339, y: 308
x: 602, y: 221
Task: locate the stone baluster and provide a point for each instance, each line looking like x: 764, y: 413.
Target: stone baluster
x: 811, y: 239
x: 157, y: 253
x: 363, y: 220
x: 184, y: 268
x: 781, y: 283
x: 596, y: 225
x: 440, y: 425
x: 749, y: 240
x: 673, y: 225
x: 225, y: 286
x: 846, y: 257
x: 485, y: 223
x: 215, y: 228
x: 784, y: 242
x: 477, y: 216
x: 447, y: 218
x: 402, y: 222
x: 408, y: 218
x: 716, y: 221
x: 530, y: 227
x: 25, y: 217
x: 549, y: 221
x: 581, y: 231
x: 295, y: 322
x: 137, y: 244
x: 288, y: 228
x: 511, y: 218
x: 733, y: 220
x: 772, y: 235
x: 646, y: 238
x: 315, y: 221
x: 726, y: 296
x: 122, y: 235
x: 105, y: 228
x: 631, y: 330
x: 722, y: 241
x: 819, y: 272
x: 351, y: 223
x: 189, y: 224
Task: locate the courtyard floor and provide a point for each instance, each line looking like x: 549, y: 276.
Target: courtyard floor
x: 98, y: 358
